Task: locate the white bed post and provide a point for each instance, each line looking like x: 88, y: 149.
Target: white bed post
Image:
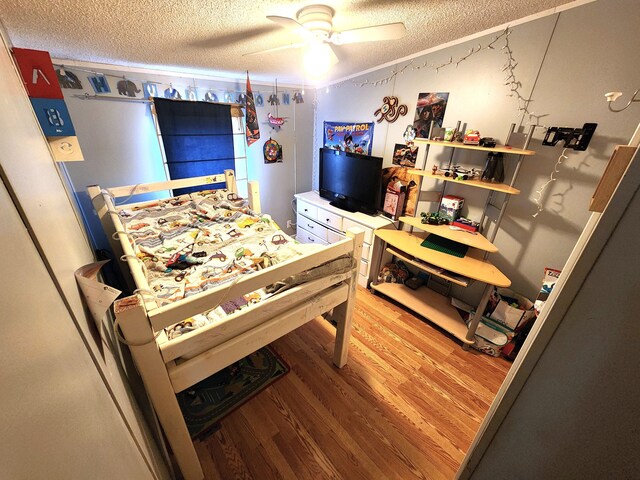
x: 134, y: 323
x: 102, y: 209
x: 230, y: 179
x: 254, y: 196
x: 343, y: 313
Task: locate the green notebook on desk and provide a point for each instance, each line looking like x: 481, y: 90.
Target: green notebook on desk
x: 444, y: 245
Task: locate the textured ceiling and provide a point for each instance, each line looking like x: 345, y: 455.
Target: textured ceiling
x: 212, y: 36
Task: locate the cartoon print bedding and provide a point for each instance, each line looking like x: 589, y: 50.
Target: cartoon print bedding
x: 194, y: 242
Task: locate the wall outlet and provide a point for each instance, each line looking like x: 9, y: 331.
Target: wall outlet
x: 289, y: 224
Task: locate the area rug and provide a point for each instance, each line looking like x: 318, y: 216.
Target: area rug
x: 208, y: 401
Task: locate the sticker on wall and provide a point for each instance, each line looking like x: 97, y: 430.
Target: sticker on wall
x: 404, y: 155
x: 172, y: 93
x: 409, y: 135
x: 272, y: 151
x: 430, y: 107
x: 286, y: 98
x: 259, y: 100
x: 210, y: 96
x: 150, y: 89
x: 68, y: 79
x: 273, y: 99
x: 228, y: 98
x: 298, y: 98
x: 390, y: 110
x: 127, y: 88
x: 350, y: 137
x: 241, y: 99
x: 99, y: 84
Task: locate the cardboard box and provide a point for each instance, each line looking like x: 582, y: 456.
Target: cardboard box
x: 450, y: 207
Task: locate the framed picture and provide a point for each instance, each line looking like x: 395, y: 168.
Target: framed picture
x: 405, y: 156
x: 430, y: 106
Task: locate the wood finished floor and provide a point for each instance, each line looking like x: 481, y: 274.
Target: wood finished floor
x: 407, y: 405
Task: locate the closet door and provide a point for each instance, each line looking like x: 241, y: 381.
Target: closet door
x: 57, y: 419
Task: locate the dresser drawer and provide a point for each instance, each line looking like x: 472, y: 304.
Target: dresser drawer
x: 368, y: 232
x: 307, y: 209
x: 366, y: 249
x: 311, y: 226
x: 330, y: 219
x: 333, y: 237
x: 303, y: 236
x: 364, y: 268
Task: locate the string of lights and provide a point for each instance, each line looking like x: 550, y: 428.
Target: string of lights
x: 510, y: 81
x: 552, y: 178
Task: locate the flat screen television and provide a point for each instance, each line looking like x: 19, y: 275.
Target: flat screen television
x: 351, y: 181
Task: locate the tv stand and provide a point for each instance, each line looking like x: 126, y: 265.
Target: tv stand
x: 324, y: 222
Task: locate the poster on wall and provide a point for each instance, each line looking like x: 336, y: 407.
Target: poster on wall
x: 430, y: 106
x: 404, y: 155
x: 398, y: 179
x: 349, y: 136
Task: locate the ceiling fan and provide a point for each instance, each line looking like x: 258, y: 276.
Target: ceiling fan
x: 314, y: 25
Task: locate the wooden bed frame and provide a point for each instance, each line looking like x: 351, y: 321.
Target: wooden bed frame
x: 161, y: 362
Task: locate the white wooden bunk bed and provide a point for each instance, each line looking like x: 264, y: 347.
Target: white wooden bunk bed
x: 168, y: 366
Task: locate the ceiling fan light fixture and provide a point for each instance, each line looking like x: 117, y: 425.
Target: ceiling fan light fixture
x: 317, y: 60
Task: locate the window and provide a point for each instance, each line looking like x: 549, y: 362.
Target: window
x: 199, y: 138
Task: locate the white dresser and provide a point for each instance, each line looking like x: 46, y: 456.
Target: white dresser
x: 319, y: 222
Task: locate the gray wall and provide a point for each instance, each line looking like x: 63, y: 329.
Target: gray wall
x: 67, y: 404
x: 577, y: 414
x: 566, y: 67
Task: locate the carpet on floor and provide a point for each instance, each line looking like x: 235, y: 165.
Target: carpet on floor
x: 204, y: 404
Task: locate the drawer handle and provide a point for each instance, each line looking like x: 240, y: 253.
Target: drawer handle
x: 310, y: 226
x: 328, y: 220
x: 306, y: 210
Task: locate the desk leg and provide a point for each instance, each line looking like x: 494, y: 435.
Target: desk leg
x: 471, y: 331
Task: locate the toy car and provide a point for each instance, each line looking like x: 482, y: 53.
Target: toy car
x: 471, y: 137
x: 487, y: 142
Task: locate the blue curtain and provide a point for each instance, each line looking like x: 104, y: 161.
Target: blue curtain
x: 197, y: 139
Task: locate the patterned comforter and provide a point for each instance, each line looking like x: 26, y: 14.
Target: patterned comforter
x: 195, y: 242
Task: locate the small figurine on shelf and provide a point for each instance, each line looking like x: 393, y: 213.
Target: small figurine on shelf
x: 494, y: 168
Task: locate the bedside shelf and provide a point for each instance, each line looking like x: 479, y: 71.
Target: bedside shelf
x: 498, y: 187
x: 497, y: 148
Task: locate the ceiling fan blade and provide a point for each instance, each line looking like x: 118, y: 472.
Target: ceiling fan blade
x: 275, y: 49
x: 333, y: 58
x: 285, y: 21
x: 389, y: 31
